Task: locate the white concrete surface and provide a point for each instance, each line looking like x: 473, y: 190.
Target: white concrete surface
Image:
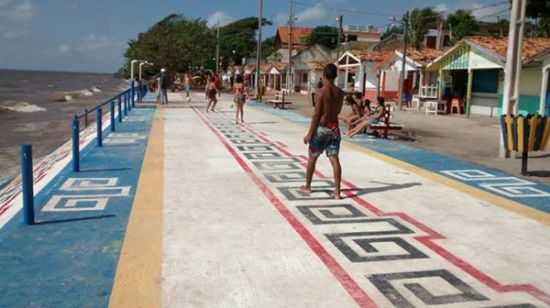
x: 225, y: 245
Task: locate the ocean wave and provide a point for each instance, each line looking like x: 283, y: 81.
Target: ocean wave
x: 96, y: 89
x: 20, y: 106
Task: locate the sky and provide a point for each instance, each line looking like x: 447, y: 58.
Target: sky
x: 91, y: 36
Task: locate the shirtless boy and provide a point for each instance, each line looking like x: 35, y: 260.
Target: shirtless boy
x: 324, y: 133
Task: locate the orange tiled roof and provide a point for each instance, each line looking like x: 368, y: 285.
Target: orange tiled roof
x: 317, y: 65
x: 279, y: 66
x: 424, y: 56
x: 298, y: 34
x: 532, y: 47
x: 373, y: 56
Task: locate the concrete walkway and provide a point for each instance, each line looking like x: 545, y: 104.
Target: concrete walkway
x: 237, y: 232
x: 218, y: 220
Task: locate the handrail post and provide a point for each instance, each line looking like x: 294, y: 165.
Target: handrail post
x: 125, y: 108
x: 76, y: 144
x: 140, y: 86
x: 99, y: 127
x: 119, y: 109
x: 85, y: 117
x: 27, y: 182
x: 132, y: 91
x: 113, y: 128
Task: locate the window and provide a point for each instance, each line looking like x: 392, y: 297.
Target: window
x: 304, y: 78
x: 485, y: 81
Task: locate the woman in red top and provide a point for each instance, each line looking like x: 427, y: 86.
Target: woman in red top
x: 211, y: 93
x: 239, y: 98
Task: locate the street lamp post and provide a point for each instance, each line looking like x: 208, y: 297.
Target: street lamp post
x: 132, y: 83
x: 140, y: 82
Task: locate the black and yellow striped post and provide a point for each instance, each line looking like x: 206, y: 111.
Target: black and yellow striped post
x: 525, y: 134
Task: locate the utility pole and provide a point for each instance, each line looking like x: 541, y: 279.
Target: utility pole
x: 259, y: 49
x: 440, y: 36
x: 404, y: 61
x: 339, y: 21
x: 218, y: 49
x: 289, y: 82
x: 512, y: 68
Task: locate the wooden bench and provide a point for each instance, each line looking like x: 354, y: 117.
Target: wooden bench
x: 386, y: 125
x: 279, y: 100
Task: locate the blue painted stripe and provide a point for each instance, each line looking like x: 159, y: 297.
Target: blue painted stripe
x: 529, y: 193
x: 69, y: 258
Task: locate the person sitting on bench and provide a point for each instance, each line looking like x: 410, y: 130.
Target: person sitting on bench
x: 368, y: 119
x: 356, y: 110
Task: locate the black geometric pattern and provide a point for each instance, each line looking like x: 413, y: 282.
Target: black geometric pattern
x: 254, y: 148
x: 375, y: 239
x: 366, y: 244
x: 246, y: 141
x: 290, y: 165
x: 263, y: 156
x: 384, y: 284
x: 317, y: 193
x: 332, y: 214
x: 285, y: 177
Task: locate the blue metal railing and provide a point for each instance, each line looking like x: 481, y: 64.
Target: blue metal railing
x: 125, y: 101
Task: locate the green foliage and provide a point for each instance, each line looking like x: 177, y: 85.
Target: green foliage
x: 323, y: 35
x: 539, y: 11
x: 178, y: 43
x: 462, y: 23
x: 269, y: 48
x: 175, y: 43
x: 391, y: 30
x: 419, y: 22
x: 239, y: 36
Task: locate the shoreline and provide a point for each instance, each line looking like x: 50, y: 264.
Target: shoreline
x: 46, y: 125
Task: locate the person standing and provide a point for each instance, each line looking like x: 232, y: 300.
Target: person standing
x: 211, y: 94
x: 163, y: 87
x: 324, y: 132
x: 187, y: 84
x: 239, y: 98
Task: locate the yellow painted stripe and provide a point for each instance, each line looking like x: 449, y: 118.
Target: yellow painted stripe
x: 501, y: 202
x: 137, y: 280
x: 546, y: 135
x: 510, y: 132
x: 521, y: 134
x: 533, y: 125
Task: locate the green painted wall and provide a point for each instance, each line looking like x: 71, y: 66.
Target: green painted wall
x: 527, y: 104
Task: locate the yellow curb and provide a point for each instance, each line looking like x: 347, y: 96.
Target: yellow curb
x: 137, y: 280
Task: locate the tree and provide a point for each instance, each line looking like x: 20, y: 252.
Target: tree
x: 391, y: 30
x: 268, y: 47
x: 323, y: 35
x: 175, y: 43
x: 240, y: 37
x: 178, y: 43
x: 419, y: 22
x: 462, y: 23
x: 539, y: 12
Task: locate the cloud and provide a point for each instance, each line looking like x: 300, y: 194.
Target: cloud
x: 314, y: 13
x: 15, y: 18
x: 218, y: 18
x: 64, y: 48
x: 91, y: 44
x: 442, y: 7
x: 481, y: 10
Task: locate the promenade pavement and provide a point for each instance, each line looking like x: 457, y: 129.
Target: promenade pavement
x: 214, y: 217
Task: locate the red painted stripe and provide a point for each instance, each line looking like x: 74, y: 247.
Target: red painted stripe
x: 345, y: 280
x: 428, y: 241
